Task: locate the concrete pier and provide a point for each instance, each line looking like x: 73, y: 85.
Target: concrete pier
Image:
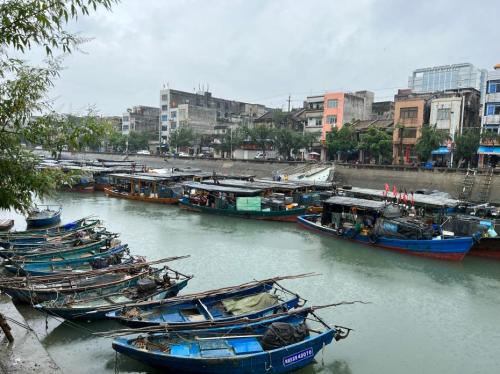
x: 26, y: 354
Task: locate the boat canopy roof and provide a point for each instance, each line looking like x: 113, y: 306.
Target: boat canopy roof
x: 263, y: 184
x: 357, y: 203
x: 142, y: 177
x: 221, y: 188
x: 419, y: 199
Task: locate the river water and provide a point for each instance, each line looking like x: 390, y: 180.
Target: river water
x: 424, y: 316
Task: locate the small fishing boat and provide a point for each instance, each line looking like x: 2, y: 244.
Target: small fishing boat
x: 99, y: 260
x: 237, y: 202
x: 379, y: 224
x: 148, y: 187
x: 271, y: 347
x: 84, y: 251
x: 94, y: 304
x: 33, y: 250
x: 6, y: 224
x: 36, y: 290
x: 44, y: 215
x: 249, y: 300
x: 67, y: 228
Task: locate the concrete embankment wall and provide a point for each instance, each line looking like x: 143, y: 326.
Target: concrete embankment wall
x: 447, y: 180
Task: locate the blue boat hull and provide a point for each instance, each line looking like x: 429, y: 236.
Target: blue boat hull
x: 171, y: 313
x: 43, y: 222
x: 282, y: 360
x: 91, y: 313
x: 453, y: 249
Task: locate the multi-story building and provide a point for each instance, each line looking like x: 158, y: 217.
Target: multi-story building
x: 382, y: 110
x: 447, y: 77
x: 411, y: 111
x: 141, y: 119
x: 201, y: 110
x: 489, y: 151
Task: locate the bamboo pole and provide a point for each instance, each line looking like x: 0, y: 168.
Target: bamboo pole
x: 6, y: 328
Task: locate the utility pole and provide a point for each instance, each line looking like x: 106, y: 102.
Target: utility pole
x: 289, y: 101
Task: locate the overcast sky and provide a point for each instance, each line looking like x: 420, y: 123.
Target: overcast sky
x: 260, y: 51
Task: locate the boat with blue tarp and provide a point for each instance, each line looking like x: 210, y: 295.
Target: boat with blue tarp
x: 249, y: 300
x: 277, y: 344
x: 380, y: 224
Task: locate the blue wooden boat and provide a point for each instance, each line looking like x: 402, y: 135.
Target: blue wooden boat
x: 367, y: 222
x: 44, y: 215
x: 249, y: 300
x: 32, y: 237
x: 84, y: 251
x: 92, y: 305
x: 112, y: 256
x: 260, y: 349
x: 89, y: 241
x: 35, y: 290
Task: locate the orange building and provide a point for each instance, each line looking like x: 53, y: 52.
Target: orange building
x: 410, y: 114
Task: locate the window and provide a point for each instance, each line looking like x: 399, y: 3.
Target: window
x: 332, y: 103
x: 164, y: 128
x: 125, y: 118
x: 164, y: 107
x: 494, y: 86
x: 173, y: 114
x: 406, y: 113
x: 332, y: 120
x: 124, y: 127
x: 164, y: 97
x: 493, y: 109
x: 409, y: 133
x: 443, y: 114
x: 164, y: 117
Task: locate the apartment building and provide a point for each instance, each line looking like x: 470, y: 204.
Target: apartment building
x: 489, y: 151
x: 141, y: 119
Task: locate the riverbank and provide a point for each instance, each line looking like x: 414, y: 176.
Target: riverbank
x: 26, y: 354
x: 369, y: 176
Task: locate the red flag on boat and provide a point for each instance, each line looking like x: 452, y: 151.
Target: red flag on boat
x: 387, y: 187
x: 405, y: 197
x: 394, y: 190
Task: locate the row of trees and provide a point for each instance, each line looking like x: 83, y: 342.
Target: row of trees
x: 344, y: 142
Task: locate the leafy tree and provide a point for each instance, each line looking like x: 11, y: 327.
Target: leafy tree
x: 261, y: 135
x: 184, y: 136
x: 25, y: 24
x: 137, y: 140
x: 466, y: 145
x: 377, y: 143
x: 430, y: 139
x: 117, y: 141
x: 230, y: 141
x: 489, y: 137
x: 339, y: 142
x: 279, y: 118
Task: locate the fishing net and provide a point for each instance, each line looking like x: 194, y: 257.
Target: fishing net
x: 281, y: 334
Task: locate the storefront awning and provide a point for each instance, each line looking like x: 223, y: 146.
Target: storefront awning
x: 441, y: 151
x: 489, y: 150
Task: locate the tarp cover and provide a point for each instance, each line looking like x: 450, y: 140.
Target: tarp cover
x: 281, y: 334
x: 250, y: 303
x: 248, y: 204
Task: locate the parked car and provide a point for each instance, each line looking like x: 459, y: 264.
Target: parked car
x: 183, y: 154
x: 143, y: 152
x: 260, y: 156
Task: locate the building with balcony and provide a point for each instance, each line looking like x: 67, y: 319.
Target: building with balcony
x: 489, y: 151
x: 411, y: 111
x: 141, y: 119
x: 447, y: 77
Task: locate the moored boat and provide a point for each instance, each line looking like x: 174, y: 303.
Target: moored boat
x: 103, y: 259
x: 269, y: 347
x: 379, y: 224
x: 91, y: 305
x: 44, y: 215
x: 6, y: 224
x: 249, y: 300
x: 237, y: 202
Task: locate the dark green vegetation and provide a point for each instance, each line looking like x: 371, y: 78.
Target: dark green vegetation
x: 26, y: 115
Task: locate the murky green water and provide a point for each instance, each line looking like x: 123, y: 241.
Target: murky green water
x: 425, y: 316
